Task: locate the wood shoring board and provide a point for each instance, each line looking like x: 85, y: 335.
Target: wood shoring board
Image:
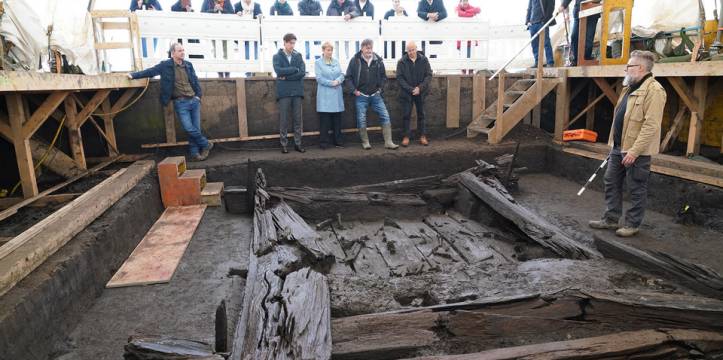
x: 60, y: 228
x: 491, y: 192
x: 155, y: 259
x: 648, y: 344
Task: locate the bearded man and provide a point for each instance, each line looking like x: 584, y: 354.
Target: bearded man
x: 634, y: 137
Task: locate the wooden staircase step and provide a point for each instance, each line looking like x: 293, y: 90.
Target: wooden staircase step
x: 522, y: 85
x: 211, y: 194
x: 195, y: 175
x: 483, y: 130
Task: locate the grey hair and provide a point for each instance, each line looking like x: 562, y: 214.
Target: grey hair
x: 367, y: 42
x: 647, y: 57
x: 173, y: 48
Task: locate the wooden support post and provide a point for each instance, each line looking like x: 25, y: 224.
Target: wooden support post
x: 243, y: 127
x: 105, y: 107
x: 562, y: 105
x: 540, y: 54
x: 684, y: 92
x: 590, y: 115
x: 586, y: 110
x: 74, y: 136
x: 479, y: 93
x: 537, y: 114
x: 453, y: 92
x: 675, y: 127
x: 122, y: 101
x: 169, y: 117
x: 91, y: 106
x: 696, y: 119
x: 23, y: 155
x: 607, y: 90
x: 43, y: 112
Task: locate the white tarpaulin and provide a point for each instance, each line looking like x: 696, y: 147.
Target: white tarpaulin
x: 26, y: 22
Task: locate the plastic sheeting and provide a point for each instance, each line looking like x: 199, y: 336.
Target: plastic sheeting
x: 26, y: 23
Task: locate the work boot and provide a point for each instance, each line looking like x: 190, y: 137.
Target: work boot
x: 364, y: 136
x: 405, y: 141
x: 626, y: 231
x: 387, y: 132
x: 604, y: 224
x: 197, y: 157
x: 205, y: 152
x: 423, y: 140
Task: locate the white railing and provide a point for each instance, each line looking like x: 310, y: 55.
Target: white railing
x: 230, y: 43
x: 213, y: 42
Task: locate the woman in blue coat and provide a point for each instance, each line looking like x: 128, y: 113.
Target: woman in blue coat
x: 329, y: 96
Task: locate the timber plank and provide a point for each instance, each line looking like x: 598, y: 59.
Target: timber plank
x: 156, y: 257
x: 398, y: 252
x: 471, y: 249
x: 491, y: 191
x: 41, y: 241
x: 292, y: 227
x: 453, y: 94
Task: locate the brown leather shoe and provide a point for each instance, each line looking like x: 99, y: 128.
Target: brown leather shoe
x: 405, y: 141
x: 423, y: 140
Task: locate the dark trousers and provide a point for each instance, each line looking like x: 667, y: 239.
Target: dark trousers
x: 291, y: 104
x: 589, y: 37
x: 637, y: 175
x: 330, y: 120
x: 407, y: 103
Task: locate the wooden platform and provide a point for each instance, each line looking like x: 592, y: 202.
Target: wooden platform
x: 703, y: 172
x: 156, y: 257
x: 13, y: 81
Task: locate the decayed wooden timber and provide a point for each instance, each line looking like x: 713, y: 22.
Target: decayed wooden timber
x: 471, y: 248
x: 409, y: 186
x: 163, y: 348
x: 642, y: 344
x: 491, y: 191
x: 697, y: 277
x: 286, y: 312
x: 291, y: 227
x: 490, y: 323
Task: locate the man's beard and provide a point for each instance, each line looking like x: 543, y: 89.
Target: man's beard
x: 628, y: 80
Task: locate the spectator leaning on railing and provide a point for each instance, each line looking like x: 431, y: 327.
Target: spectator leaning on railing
x: 431, y: 10
x: 310, y: 8
x: 182, y: 6
x: 217, y: 6
x: 145, y: 5
x: 366, y: 8
x: 281, y: 7
x: 344, y: 8
x: 397, y: 10
x: 247, y: 8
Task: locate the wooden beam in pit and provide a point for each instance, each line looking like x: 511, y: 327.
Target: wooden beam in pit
x: 243, y: 127
x: 562, y: 106
x: 700, y: 91
x: 607, y: 90
x: 105, y: 107
x: 453, y: 93
x: 23, y: 154
x: 74, y: 136
x: 479, y: 93
x: 45, y: 110
x: 169, y: 117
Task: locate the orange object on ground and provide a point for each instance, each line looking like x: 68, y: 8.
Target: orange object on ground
x: 179, y: 185
x: 579, y: 134
x: 157, y: 256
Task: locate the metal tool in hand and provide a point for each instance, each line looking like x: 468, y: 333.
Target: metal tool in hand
x: 592, y: 177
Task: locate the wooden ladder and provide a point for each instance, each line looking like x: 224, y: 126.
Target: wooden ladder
x: 517, y: 101
x: 100, y: 25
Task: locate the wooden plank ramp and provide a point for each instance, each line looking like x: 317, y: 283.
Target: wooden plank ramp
x: 156, y: 257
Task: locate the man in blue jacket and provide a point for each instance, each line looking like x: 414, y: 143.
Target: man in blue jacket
x: 310, y: 8
x: 431, y: 10
x: 180, y: 85
x: 290, y: 72
x: 145, y: 5
x: 540, y: 12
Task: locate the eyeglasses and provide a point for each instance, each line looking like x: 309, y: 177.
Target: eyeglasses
x: 629, y: 66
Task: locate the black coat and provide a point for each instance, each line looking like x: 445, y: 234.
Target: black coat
x: 353, y: 72
x: 348, y: 7
x: 368, y: 9
x: 540, y: 11
x: 293, y: 73
x: 412, y: 74
x: 310, y: 8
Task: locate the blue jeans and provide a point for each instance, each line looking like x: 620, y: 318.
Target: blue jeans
x: 589, y: 37
x: 188, y: 112
x: 377, y: 103
x: 534, y: 28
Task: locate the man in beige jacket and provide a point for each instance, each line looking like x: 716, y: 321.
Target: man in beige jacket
x: 634, y: 137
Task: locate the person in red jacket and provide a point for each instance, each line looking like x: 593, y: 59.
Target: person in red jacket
x: 465, y: 10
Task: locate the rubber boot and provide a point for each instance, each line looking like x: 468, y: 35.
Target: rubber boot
x: 387, y: 132
x: 364, y: 138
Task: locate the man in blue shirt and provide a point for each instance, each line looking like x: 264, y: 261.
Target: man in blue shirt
x: 179, y: 84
